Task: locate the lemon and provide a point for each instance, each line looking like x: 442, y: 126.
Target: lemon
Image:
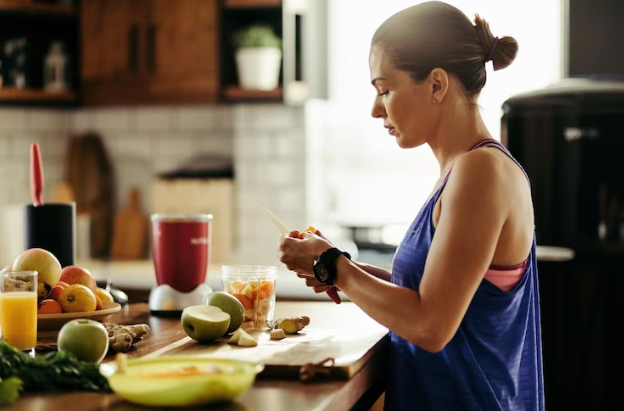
x: 77, y: 299
x: 104, y: 295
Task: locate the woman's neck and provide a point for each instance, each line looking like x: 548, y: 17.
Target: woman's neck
x: 461, y: 128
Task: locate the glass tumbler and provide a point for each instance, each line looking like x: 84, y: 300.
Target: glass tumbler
x: 18, y: 308
x: 254, y: 287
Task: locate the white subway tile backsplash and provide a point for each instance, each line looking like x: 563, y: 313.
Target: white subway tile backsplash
x: 161, y: 118
x: 5, y: 144
x: 203, y: 118
x: 175, y: 145
x: 134, y: 145
x: 12, y: 119
x: 267, y: 117
x: 46, y: 120
x: 266, y: 143
x: 114, y: 119
x: 20, y: 144
x: 82, y: 120
x: 218, y: 144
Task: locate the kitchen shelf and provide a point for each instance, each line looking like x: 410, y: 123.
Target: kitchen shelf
x: 236, y: 4
x: 9, y: 95
x: 235, y: 93
x: 39, y: 8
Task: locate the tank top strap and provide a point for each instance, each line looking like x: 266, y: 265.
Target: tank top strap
x: 490, y: 142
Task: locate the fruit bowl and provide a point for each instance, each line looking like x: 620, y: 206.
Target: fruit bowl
x: 47, y: 323
x: 180, y: 381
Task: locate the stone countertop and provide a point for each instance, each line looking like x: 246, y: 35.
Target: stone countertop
x: 140, y: 275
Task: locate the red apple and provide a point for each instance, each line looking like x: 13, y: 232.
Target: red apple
x: 72, y: 274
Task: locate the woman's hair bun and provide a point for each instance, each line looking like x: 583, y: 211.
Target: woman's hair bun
x: 501, y: 51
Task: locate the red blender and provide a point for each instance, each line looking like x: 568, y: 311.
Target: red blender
x: 181, y: 254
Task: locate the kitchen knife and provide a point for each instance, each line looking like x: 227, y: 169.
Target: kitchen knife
x: 36, y: 175
x: 283, y: 229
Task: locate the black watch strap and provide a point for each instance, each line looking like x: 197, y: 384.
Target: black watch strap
x: 325, y: 265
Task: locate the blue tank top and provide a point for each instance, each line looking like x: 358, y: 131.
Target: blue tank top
x: 494, y: 361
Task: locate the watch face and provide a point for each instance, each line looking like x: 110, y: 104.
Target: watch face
x: 320, y: 272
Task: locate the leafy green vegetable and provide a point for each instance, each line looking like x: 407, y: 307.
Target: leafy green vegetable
x: 10, y: 390
x: 256, y: 36
x: 54, y: 372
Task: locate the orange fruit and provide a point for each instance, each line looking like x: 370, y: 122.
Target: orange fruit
x: 266, y: 289
x: 49, y: 307
x: 77, y: 298
x: 104, y: 295
x: 244, y: 300
x: 98, y: 303
x: 55, y: 293
x: 311, y: 229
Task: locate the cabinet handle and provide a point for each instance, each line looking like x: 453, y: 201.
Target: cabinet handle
x: 151, y: 47
x: 133, y: 48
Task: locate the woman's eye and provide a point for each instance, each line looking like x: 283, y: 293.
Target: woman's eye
x: 384, y: 93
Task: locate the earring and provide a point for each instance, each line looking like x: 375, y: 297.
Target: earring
x: 435, y: 101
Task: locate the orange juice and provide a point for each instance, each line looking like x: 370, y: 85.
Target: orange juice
x: 18, y: 318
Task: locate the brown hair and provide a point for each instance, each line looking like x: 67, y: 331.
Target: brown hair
x: 437, y: 35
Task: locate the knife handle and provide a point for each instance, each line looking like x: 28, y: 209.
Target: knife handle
x: 36, y: 175
x: 333, y: 294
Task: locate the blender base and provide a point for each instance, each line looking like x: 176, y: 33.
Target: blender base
x: 164, y: 300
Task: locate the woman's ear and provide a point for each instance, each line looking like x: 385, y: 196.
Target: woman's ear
x: 439, y: 85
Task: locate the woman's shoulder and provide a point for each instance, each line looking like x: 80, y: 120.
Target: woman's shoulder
x: 487, y: 167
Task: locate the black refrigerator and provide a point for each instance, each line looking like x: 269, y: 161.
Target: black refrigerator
x: 570, y: 139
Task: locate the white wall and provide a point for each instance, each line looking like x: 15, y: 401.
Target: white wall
x: 367, y: 176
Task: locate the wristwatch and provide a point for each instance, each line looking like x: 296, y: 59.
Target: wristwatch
x: 325, y: 265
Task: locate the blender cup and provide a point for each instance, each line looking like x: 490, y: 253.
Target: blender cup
x: 254, y: 287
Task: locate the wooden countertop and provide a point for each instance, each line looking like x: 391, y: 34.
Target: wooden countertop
x: 357, y: 393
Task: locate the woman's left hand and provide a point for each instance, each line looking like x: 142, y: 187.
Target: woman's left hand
x: 299, y: 254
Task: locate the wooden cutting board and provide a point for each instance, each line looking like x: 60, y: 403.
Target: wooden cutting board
x: 130, y: 230
x: 333, y: 353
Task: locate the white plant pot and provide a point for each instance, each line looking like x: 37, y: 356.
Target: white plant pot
x: 258, y: 68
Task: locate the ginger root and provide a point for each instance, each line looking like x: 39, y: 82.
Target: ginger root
x: 277, y: 334
x: 290, y: 325
x: 122, y: 337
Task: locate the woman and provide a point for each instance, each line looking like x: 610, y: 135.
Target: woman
x: 462, y: 302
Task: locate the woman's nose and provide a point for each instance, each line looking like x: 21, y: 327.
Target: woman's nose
x: 378, y: 110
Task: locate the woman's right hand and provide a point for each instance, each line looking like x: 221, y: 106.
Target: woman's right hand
x: 309, y: 278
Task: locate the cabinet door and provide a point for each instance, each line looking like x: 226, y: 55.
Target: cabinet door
x: 111, y: 31
x: 182, y: 49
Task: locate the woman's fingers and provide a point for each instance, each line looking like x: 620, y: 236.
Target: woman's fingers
x: 313, y: 282
x: 321, y: 288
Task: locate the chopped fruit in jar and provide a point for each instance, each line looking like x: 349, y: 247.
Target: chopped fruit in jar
x: 266, y: 289
x: 247, y: 303
x: 237, y: 287
x: 247, y: 291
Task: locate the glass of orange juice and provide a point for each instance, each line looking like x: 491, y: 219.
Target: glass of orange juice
x: 18, y: 308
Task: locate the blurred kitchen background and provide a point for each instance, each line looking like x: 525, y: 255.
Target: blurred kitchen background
x: 225, y: 106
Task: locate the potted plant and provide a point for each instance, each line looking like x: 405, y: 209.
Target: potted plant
x: 258, y: 57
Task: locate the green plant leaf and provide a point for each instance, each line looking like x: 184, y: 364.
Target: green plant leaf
x: 256, y: 36
x: 10, y: 390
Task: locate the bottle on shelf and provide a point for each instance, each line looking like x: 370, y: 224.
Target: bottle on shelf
x: 55, y: 72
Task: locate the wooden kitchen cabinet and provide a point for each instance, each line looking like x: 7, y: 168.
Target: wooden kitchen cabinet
x: 149, y: 51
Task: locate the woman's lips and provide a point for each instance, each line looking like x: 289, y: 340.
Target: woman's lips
x: 391, y: 131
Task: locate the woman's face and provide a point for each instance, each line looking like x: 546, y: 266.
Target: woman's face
x: 406, y: 107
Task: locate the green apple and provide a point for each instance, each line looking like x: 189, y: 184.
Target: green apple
x: 229, y: 304
x: 205, y: 323
x: 86, y: 339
